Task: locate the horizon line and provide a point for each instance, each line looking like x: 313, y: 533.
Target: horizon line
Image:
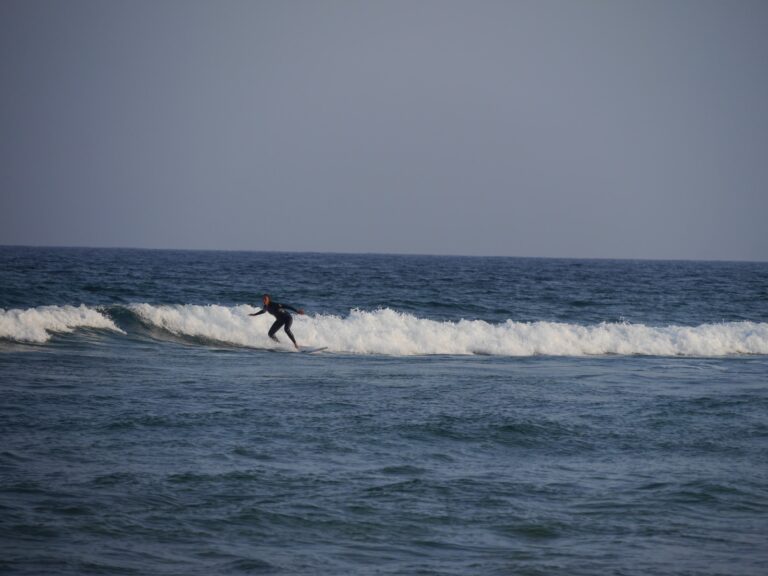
x: 374, y: 253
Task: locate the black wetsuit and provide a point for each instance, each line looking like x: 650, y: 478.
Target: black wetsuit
x: 283, y: 318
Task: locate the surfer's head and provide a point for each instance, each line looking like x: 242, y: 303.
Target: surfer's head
x: 266, y: 298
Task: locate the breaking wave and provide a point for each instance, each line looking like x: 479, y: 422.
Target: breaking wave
x: 36, y: 325
x: 389, y: 332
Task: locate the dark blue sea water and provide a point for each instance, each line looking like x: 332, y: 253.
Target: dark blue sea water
x: 469, y: 415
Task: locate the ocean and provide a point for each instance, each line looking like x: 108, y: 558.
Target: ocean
x: 468, y: 416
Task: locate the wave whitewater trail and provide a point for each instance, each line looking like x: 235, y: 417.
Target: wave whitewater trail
x: 389, y: 332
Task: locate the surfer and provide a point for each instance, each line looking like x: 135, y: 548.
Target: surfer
x: 282, y: 317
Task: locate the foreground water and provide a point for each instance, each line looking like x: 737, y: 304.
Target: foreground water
x: 470, y: 416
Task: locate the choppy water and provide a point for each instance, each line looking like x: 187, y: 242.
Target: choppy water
x: 470, y: 415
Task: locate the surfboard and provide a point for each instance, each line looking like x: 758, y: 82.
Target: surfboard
x: 310, y: 350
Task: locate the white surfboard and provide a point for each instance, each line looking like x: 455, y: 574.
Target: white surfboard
x: 310, y: 350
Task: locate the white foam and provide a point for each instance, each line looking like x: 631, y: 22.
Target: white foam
x: 220, y: 323
x: 393, y: 333
x: 37, y: 324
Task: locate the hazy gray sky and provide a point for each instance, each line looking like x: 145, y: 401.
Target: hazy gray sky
x: 630, y: 129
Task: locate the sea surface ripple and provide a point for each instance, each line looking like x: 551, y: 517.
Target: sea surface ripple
x: 132, y: 447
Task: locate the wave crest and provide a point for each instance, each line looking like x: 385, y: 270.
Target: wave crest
x: 36, y: 325
x: 389, y: 332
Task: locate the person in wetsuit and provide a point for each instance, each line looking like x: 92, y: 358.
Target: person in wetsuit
x: 282, y: 317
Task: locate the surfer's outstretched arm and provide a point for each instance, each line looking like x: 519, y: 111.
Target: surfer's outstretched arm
x: 297, y: 310
x: 259, y: 312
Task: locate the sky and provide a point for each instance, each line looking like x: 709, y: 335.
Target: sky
x: 546, y: 128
